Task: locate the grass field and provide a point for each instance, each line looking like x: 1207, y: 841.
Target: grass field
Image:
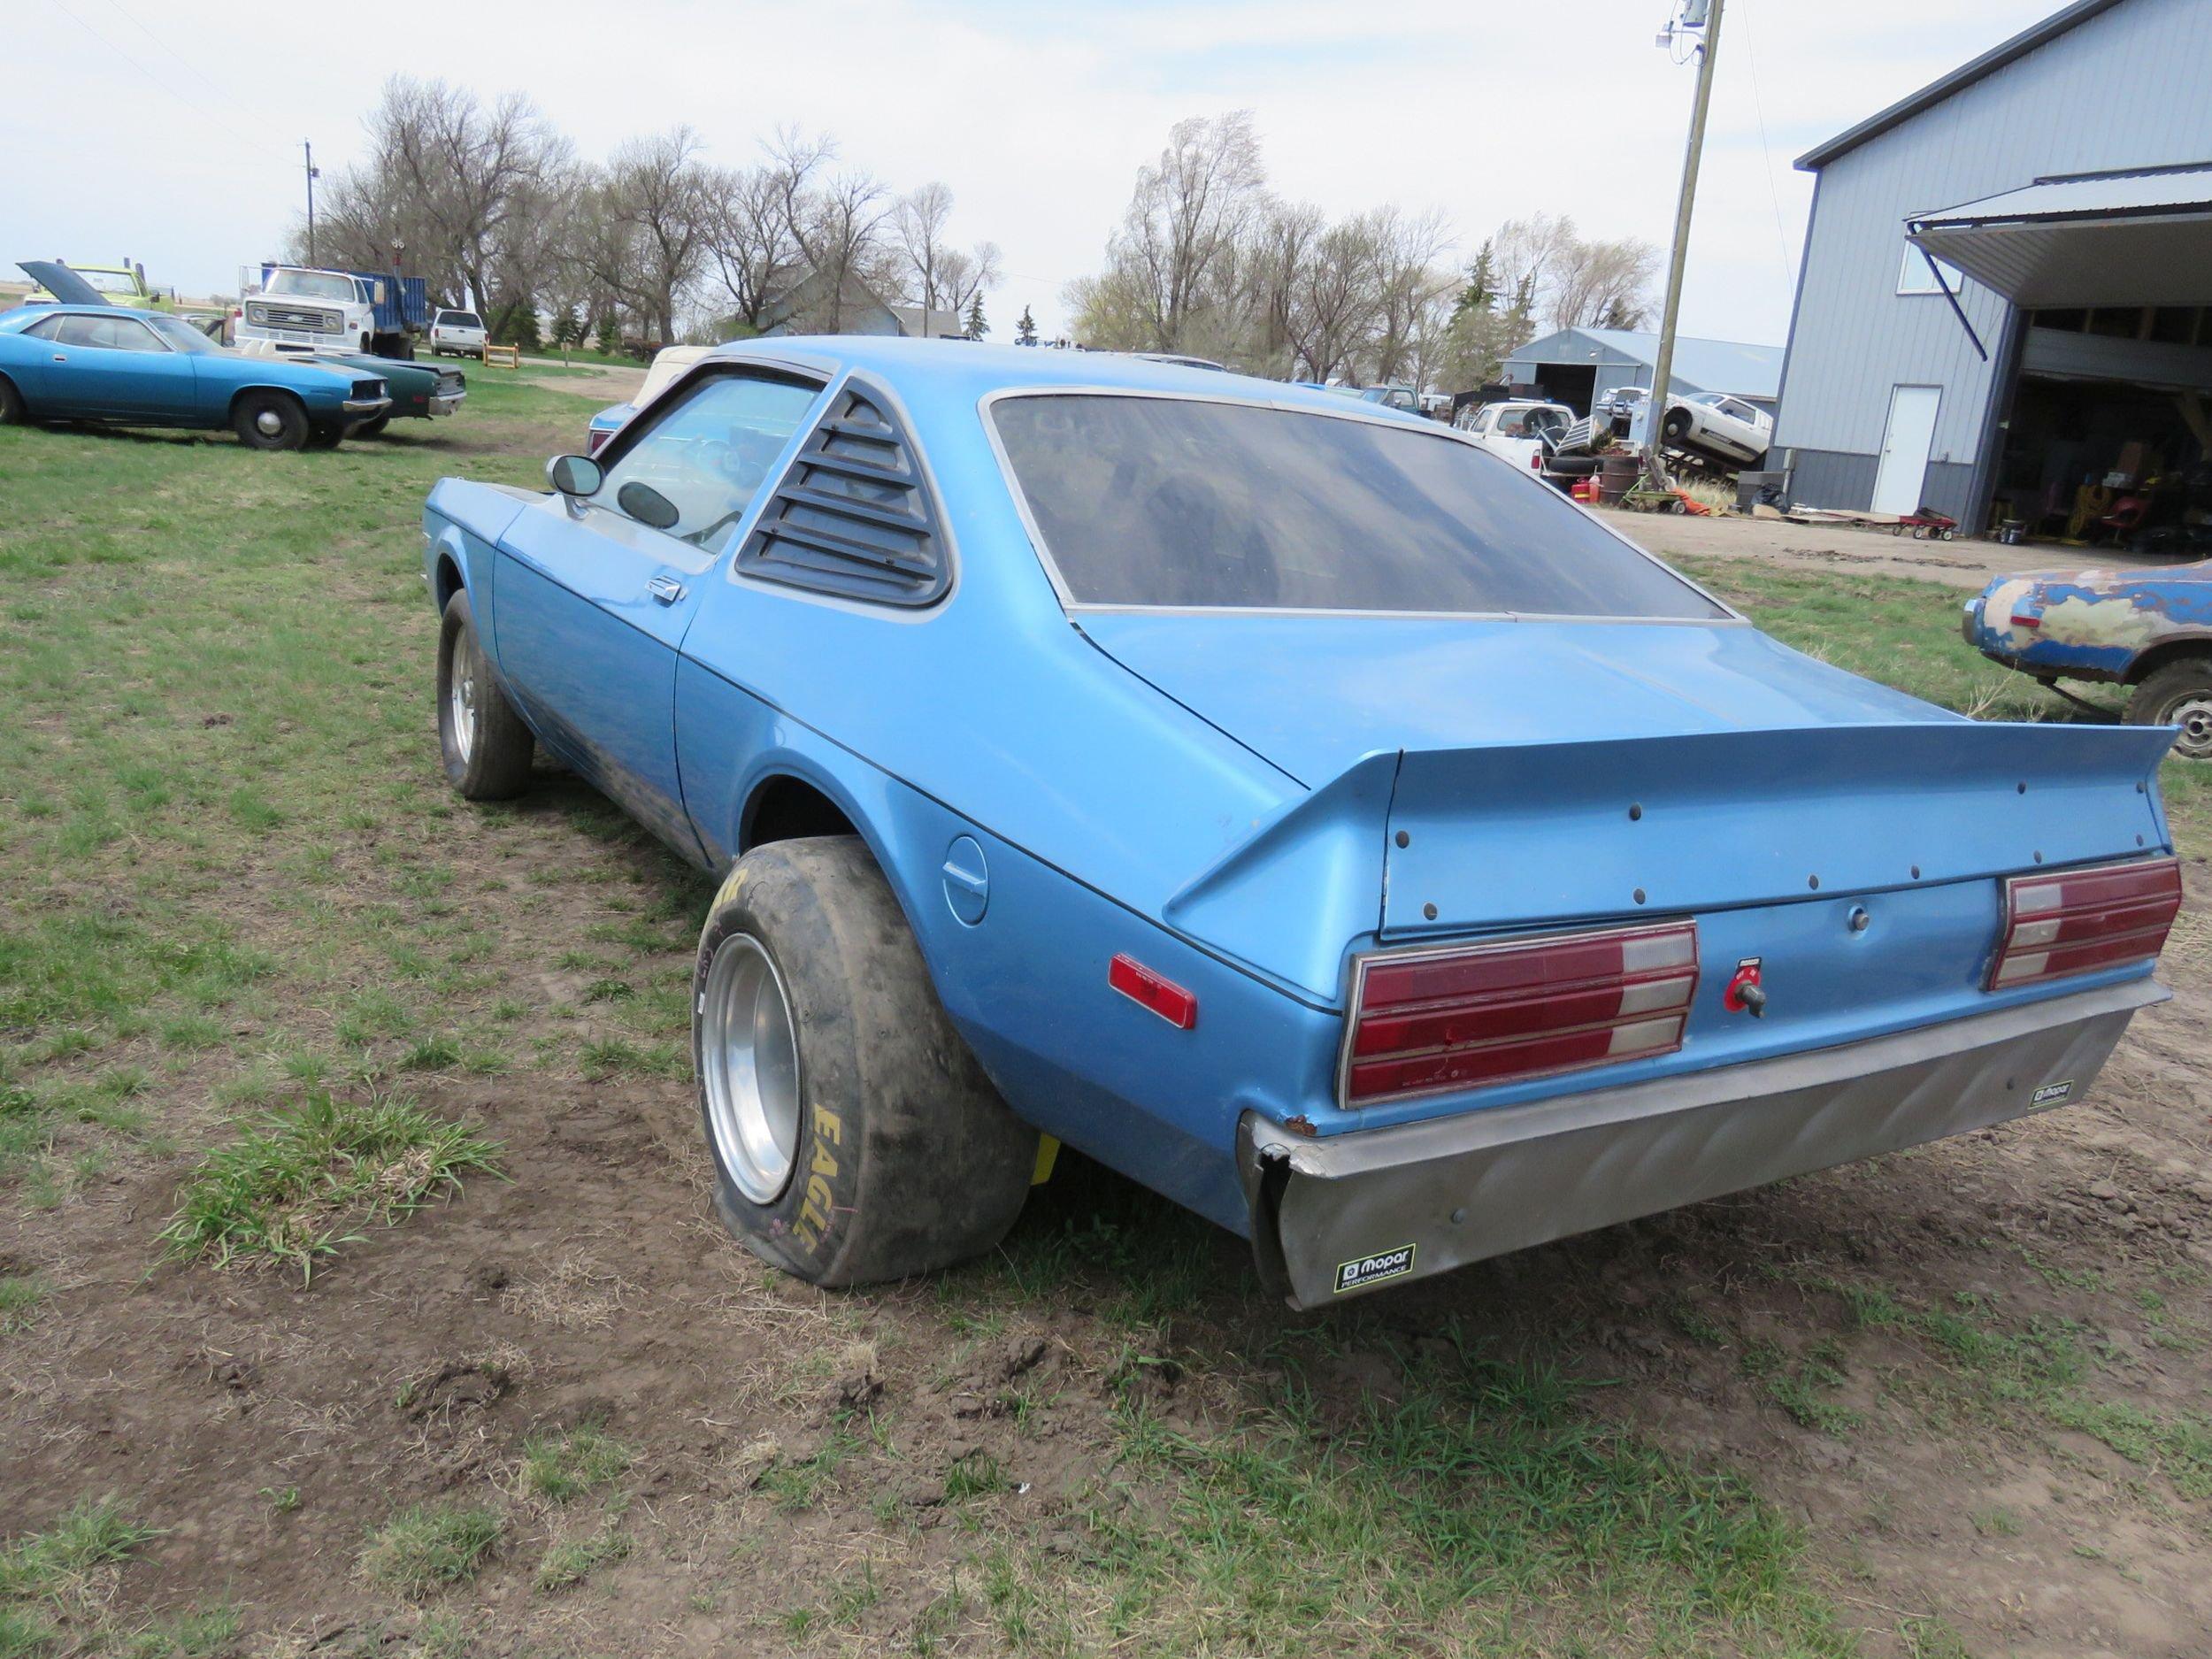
x: 348, y: 1125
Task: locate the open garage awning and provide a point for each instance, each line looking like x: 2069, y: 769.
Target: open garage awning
x: 2137, y: 238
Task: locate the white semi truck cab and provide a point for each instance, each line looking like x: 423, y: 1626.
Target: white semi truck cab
x: 300, y: 309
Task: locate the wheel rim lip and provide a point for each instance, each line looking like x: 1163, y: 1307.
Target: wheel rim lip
x: 461, y: 699
x: 2194, y: 715
x: 749, y: 1065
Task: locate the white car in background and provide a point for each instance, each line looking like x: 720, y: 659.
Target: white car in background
x: 460, y: 333
x: 1723, y: 427
x: 1516, y: 429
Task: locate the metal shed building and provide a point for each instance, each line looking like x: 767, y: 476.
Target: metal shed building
x: 1572, y: 365
x: 2002, y: 310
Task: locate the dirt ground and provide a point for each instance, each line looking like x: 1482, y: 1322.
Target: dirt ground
x: 1961, y: 563
x: 1882, y: 1352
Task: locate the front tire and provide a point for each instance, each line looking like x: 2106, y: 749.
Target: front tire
x: 11, y: 402
x: 485, y: 745
x: 2179, y: 693
x: 269, y: 420
x: 1675, y: 426
x: 370, y: 429
x: 855, y: 1138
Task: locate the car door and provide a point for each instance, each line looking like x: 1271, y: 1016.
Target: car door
x: 114, y: 367
x: 594, y: 595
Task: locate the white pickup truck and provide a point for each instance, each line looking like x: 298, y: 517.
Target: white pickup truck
x: 1516, y: 429
x: 300, y: 309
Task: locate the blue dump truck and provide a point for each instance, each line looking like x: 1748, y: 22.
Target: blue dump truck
x: 302, y: 309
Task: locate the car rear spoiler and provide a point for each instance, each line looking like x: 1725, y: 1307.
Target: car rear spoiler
x: 1424, y: 843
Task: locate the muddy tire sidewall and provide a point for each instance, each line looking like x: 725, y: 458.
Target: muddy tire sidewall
x: 906, y: 1160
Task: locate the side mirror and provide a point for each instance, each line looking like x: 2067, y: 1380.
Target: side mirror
x: 575, y: 476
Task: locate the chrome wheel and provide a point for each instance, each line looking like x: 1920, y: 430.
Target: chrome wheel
x: 461, y: 699
x: 268, y: 423
x: 2194, y: 715
x: 749, y: 1059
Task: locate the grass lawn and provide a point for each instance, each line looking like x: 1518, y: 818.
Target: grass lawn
x: 276, y: 1009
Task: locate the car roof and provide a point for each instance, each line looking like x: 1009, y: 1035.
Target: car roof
x: 962, y: 366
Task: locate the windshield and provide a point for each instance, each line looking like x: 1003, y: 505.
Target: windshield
x: 313, y: 285
x: 109, y: 281
x: 1152, y: 502
x: 179, y: 335
x: 460, y: 320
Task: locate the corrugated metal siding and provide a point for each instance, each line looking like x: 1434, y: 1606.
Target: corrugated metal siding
x: 2125, y: 89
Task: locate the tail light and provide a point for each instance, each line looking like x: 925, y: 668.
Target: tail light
x: 2078, y: 921
x: 1536, y: 461
x: 1431, y: 1020
x: 594, y: 442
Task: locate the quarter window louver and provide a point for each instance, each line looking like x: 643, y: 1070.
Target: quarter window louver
x: 853, y: 515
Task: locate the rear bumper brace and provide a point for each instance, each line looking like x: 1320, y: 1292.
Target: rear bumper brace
x: 1334, y: 1217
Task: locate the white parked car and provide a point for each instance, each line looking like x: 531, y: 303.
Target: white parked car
x: 460, y: 333
x: 1516, y: 429
x: 1717, y: 425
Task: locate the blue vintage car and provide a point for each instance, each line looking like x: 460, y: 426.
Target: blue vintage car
x: 82, y: 359
x: 2149, y: 628
x: 1279, y: 799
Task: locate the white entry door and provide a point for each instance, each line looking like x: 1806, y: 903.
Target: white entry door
x: 1904, y: 470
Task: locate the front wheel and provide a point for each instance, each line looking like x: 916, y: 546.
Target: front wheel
x: 1675, y: 425
x: 269, y: 420
x: 370, y: 429
x: 483, y: 742
x: 11, y: 402
x: 2179, y: 693
x: 855, y: 1137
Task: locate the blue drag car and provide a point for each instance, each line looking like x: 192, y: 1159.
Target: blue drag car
x: 1279, y: 799
x: 83, y: 359
x: 2149, y: 628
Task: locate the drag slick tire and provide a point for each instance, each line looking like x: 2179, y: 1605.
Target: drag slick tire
x: 854, y: 1136
x: 485, y: 745
x: 2179, y: 693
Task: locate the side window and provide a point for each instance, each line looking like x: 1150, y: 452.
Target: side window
x: 1914, y: 277
x: 697, y: 469
x: 45, y: 328
x: 110, y: 333
x: 854, y: 515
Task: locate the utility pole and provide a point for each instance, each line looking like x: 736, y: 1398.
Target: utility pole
x: 1696, y: 15
x: 312, y: 174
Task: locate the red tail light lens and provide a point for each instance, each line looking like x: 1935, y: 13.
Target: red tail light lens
x: 1536, y: 461
x: 2080, y: 920
x: 594, y: 442
x: 1427, y: 1021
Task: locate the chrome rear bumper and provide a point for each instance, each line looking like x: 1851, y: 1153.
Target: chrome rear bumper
x: 1336, y: 1216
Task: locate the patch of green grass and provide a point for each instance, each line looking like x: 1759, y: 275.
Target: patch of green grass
x: 430, y: 1547
x: 567, y: 1564
x: 565, y: 1464
x: 799, y: 1484
x: 44, y: 1567
x: 297, y: 1184
x: 1800, y: 1384
x: 602, y: 1058
x: 199, y: 1633
x: 21, y: 1294
x: 1442, y: 1520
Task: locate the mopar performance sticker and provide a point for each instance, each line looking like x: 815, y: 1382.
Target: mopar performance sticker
x: 1366, y: 1270
x: 2051, y: 1093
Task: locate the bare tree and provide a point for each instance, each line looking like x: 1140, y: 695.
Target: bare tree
x: 1571, y: 282
x: 1190, y: 210
x: 919, y: 222
x: 750, y: 240
x: 1408, y: 284
x: 966, y: 274
x: 839, y: 224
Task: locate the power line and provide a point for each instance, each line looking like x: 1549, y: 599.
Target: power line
x: 199, y: 74
x: 244, y: 138
x: 1781, y: 232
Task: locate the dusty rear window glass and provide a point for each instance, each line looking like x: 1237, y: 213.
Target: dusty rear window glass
x: 1146, y: 501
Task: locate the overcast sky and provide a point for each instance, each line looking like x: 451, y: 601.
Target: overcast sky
x: 173, y: 137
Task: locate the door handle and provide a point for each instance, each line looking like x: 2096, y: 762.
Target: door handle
x: 61, y: 356
x: 667, y: 589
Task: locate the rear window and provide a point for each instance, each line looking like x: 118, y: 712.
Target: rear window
x: 460, y: 320
x: 1145, y: 501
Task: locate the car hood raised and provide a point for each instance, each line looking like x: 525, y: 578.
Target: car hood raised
x: 1314, y: 695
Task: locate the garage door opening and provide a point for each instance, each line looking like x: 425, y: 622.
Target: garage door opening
x: 2108, y: 435
x: 1573, y: 384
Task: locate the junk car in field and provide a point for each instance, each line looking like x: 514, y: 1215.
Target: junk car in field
x: 2149, y: 629
x: 82, y: 359
x: 1279, y: 799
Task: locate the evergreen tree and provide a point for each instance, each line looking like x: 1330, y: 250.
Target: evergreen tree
x: 610, y: 334
x: 568, y: 330
x: 976, y: 327
x: 1482, y: 284
x: 1025, y: 330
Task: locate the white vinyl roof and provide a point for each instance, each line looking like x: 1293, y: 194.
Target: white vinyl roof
x: 2137, y: 238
